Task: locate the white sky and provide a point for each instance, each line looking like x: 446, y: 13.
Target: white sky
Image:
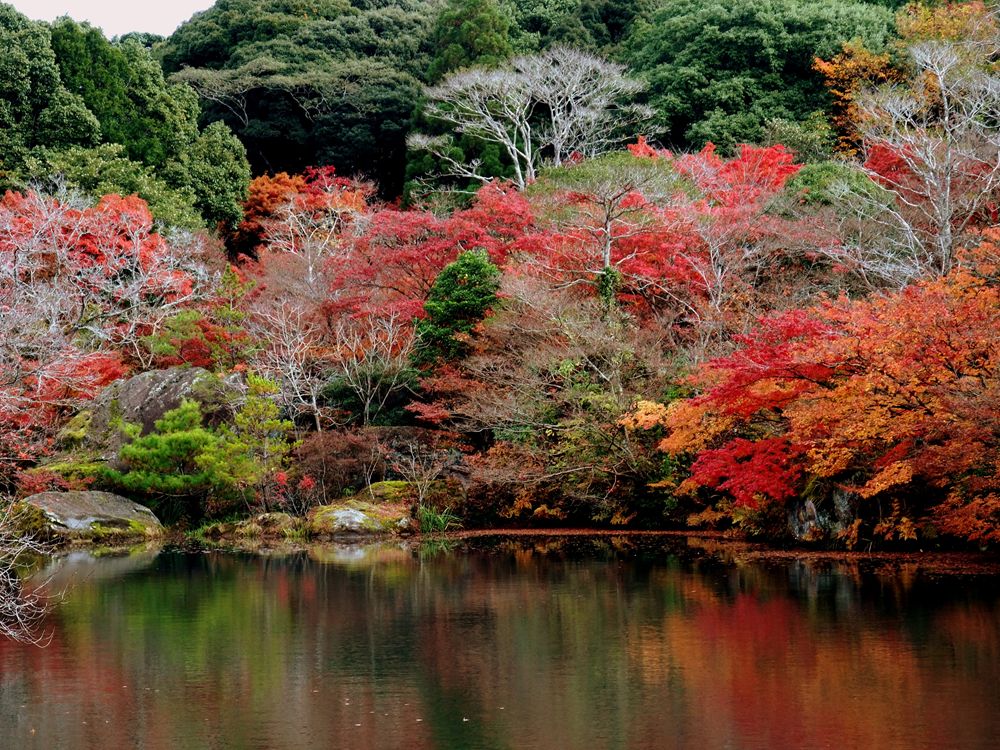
x: 116, y: 17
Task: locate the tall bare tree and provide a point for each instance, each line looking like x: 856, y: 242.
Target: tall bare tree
x: 560, y: 101
x: 934, y: 145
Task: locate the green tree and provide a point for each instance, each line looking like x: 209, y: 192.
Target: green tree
x: 107, y: 169
x: 718, y: 71
x: 462, y: 294
x: 175, y: 467
x: 125, y: 89
x: 219, y: 175
x: 255, y: 448
x: 310, y: 83
x: 467, y: 33
x: 36, y: 109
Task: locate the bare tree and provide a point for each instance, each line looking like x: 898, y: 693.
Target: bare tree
x: 420, y: 468
x: 295, y: 357
x: 586, y: 101
x: 21, y: 611
x: 310, y: 226
x: 560, y: 101
x: 496, y: 106
x: 372, y: 358
x: 940, y: 130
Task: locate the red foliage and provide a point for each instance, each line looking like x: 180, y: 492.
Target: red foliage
x: 755, y: 175
x: 751, y: 471
x: 393, y: 263
x: 892, y: 397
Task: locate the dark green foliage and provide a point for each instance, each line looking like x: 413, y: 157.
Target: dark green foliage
x: 125, y: 89
x: 828, y: 182
x: 462, y: 294
x: 467, y: 33
x: 101, y: 115
x: 36, y: 109
x: 311, y: 83
x: 350, y: 136
x: 218, y: 173
x: 156, y: 122
x: 719, y: 70
x: 586, y: 24
x: 392, y: 391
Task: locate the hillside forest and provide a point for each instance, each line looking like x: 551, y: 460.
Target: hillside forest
x: 647, y: 264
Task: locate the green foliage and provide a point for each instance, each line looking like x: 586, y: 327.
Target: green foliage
x: 175, y: 466
x: 433, y: 521
x: 187, y: 469
x: 830, y: 182
x: 585, y: 24
x: 125, y: 89
x: 219, y: 174
x: 36, y: 109
x: 462, y: 294
x: 107, y: 169
x: 467, y: 33
x: 811, y: 140
x: 719, y: 70
x: 160, y: 153
x: 310, y: 83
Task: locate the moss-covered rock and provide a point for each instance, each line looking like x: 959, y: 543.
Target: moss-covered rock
x: 265, y: 527
x: 442, y: 493
x: 131, y: 407
x: 88, y: 517
x: 392, y: 492
x: 357, y: 516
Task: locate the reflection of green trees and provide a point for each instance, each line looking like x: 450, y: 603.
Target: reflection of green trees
x: 587, y: 643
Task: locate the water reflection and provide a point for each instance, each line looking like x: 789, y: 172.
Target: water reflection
x: 586, y: 643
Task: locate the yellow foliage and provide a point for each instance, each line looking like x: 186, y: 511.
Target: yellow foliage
x: 645, y: 416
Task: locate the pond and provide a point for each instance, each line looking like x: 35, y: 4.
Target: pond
x: 561, y: 643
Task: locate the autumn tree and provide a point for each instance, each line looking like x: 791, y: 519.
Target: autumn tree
x: 546, y: 380
x: 845, y: 76
x: 308, y: 225
x: 613, y: 199
x: 879, y: 405
x: 371, y: 363
x: 931, y: 143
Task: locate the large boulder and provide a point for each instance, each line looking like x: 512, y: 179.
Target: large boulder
x: 100, y: 430
x: 356, y: 517
x: 89, y: 516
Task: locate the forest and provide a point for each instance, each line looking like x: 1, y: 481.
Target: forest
x: 586, y: 263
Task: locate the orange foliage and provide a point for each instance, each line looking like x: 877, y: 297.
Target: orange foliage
x: 845, y: 75
x: 892, y: 397
x: 948, y: 21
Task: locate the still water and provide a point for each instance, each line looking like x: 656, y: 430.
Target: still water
x: 586, y: 643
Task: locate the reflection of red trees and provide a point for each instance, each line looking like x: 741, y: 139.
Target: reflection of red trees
x: 285, y: 653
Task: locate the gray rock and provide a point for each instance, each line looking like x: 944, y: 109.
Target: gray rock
x: 810, y: 521
x: 101, y: 516
x: 406, y: 525
x: 349, y: 521
x: 142, y: 400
